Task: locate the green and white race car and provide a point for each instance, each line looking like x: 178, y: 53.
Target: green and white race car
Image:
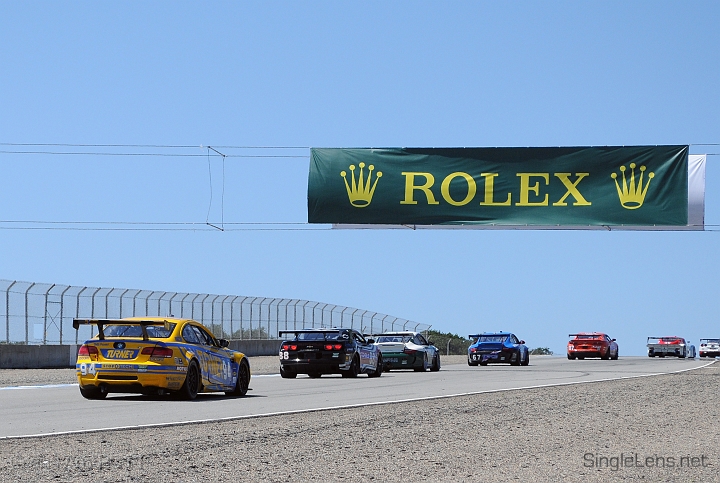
x: 407, y: 350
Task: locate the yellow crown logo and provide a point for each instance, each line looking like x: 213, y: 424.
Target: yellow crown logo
x: 360, y: 193
x: 632, y: 196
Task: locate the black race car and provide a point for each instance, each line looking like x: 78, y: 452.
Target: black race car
x: 328, y: 351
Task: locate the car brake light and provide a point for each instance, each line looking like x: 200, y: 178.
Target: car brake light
x: 409, y: 351
x: 473, y: 349
x: 289, y: 347
x: 328, y: 347
x: 86, y: 350
x: 157, y: 351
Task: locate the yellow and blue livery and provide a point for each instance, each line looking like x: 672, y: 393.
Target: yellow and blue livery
x: 158, y: 355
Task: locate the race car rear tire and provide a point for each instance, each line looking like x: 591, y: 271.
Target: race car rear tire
x: 189, y: 389
x: 354, y: 369
x: 435, y: 363
x: 285, y: 374
x: 572, y: 358
x: 93, y: 393
x: 243, y: 380
x: 527, y: 359
x: 471, y: 363
x: 606, y: 356
x: 617, y: 354
x: 424, y: 366
x: 516, y: 361
x: 378, y: 369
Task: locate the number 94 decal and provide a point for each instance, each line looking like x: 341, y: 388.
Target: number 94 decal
x: 86, y: 369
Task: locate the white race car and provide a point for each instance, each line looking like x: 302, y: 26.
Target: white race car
x: 709, y: 347
x: 407, y: 350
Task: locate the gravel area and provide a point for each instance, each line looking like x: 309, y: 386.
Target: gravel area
x: 546, y: 434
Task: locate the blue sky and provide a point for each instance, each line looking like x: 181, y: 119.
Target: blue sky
x: 355, y: 74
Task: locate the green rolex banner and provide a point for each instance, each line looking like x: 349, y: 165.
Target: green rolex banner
x: 574, y: 187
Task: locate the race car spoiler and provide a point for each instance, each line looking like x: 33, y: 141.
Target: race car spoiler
x: 585, y: 333
x: 667, y: 337
x: 311, y: 331
x: 101, y: 323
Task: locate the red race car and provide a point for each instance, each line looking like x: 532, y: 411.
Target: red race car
x: 592, y: 344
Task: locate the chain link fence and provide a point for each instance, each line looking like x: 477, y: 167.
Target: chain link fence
x: 40, y: 313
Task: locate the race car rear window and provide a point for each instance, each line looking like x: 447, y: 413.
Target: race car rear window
x: 492, y: 338
x: 153, y: 331
x: 394, y: 338
x: 317, y: 335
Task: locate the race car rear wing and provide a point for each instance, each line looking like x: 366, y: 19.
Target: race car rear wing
x: 295, y: 332
x: 668, y: 337
x: 101, y: 323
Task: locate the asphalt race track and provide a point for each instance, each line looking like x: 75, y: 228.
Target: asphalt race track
x: 61, y: 409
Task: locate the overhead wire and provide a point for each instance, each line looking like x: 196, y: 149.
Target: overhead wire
x: 180, y: 226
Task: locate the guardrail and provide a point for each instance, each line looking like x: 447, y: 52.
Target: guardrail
x: 42, y: 313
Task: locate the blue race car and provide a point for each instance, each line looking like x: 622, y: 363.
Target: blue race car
x: 497, y: 347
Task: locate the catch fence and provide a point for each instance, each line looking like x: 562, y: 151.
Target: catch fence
x: 40, y: 313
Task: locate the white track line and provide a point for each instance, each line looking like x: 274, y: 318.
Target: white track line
x: 346, y: 406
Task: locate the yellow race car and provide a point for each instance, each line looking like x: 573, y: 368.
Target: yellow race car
x: 158, y: 355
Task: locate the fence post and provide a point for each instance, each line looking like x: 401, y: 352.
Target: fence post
x: 92, y: 303
x: 62, y: 299
x: 160, y: 300
x: 331, y: 312
x: 27, y: 319
x: 77, y: 312
x: 7, y: 311
x: 232, y: 330
x: 313, y: 313
x: 121, y: 301
x: 277, y: 317
x: 133, y: 314
x: 170, y: 310
x: 192, y: 306
x: 222, y: 316
x: 45, y: 315
x: 252, y: 303
x: 322, y: 315
x: 212, y: 313
x: 107, y: 302
x: 362, y: 329
x: 352, y: 319
x: 147, y: 302
x: 182, y: 305
x: 260, y: 316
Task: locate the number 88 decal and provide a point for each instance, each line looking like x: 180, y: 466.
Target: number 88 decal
x: 284, y: 355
